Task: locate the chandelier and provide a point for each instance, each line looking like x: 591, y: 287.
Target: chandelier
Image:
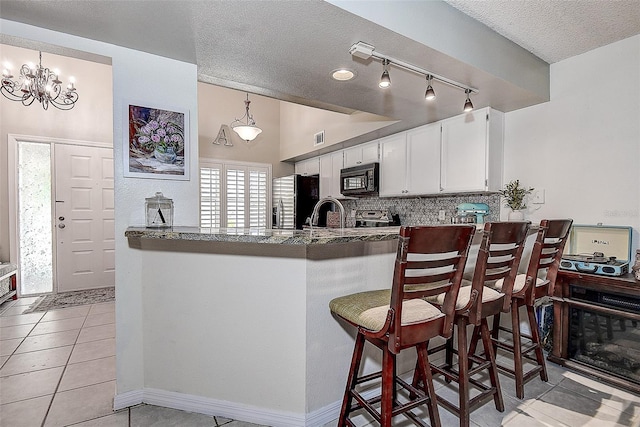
x: 38, y: 83
x: 247, y: 129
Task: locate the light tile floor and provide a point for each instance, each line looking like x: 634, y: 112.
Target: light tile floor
x: 58, y: 369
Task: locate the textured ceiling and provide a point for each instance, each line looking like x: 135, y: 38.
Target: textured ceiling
x: 287, y: 49
x: 555, y: 30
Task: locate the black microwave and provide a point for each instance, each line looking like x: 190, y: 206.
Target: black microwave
x: 360, y: 180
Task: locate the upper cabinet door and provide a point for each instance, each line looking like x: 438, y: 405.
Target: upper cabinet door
x: 464, y: 153
x: 308, y: 167
x: 361, y: 154
x: 393, y: 165
x: 370, y: 153
x: 330, y: 166
x: 423, y: 160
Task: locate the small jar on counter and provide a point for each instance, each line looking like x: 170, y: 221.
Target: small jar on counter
x: 159, y: 211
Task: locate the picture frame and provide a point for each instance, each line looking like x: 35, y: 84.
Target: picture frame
x: 156, y: 142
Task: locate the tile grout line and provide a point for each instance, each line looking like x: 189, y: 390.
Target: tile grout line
x: 23, y: 338
x: 64, y: 369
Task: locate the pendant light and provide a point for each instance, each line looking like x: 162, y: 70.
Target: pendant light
x: 247, y: 130
x: 430, y: 94
x: 468, y: 106
x: 385, y: 80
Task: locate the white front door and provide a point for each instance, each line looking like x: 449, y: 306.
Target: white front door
x: 84, y: 217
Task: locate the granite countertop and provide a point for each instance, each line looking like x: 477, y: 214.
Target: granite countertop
x: 315, y: 236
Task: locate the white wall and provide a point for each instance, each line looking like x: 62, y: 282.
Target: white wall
x: 299, y: 124
x: 583, y: 146
x: 160, y: 81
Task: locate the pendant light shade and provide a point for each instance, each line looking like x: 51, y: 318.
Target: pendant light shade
x: 468, y: 106
x: 430, y: 94
x: 247, y: 130
x: 385, y: 80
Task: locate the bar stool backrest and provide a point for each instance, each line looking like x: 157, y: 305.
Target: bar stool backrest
x: 546, y: 255
x: 430, y: 261
x: 498, y: 258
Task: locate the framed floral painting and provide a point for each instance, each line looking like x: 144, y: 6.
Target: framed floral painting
x: 157, y: 143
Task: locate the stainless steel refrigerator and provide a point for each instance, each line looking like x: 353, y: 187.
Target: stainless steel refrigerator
x: 294, y: 197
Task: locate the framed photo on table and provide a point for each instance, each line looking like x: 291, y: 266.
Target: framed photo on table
x: 156, y: 142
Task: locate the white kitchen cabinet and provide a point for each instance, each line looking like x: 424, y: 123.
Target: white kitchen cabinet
x: 361, y: 154
x: 423, y: 160
x: 410, y: 162
x: 330, y: 166
x: 308, y: 167
x: 393, y: 165
x: 472, y: 152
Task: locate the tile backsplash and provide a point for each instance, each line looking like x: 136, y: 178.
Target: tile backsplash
x: 422, y: 210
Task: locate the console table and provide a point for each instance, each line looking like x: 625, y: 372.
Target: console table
x: 596, y: 317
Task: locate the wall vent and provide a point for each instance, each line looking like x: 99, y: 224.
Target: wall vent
x: 318, y: 138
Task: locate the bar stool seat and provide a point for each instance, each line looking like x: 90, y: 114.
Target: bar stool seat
x: 464, y: 296
x: 369, y: 309
x: 519, y: 284
x: 429, y: 261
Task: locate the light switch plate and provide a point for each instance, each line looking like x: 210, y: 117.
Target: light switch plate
x: 538, y: 197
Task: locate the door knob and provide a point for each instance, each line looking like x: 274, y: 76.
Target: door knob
x: 61, y: 218
x: 61, y: 226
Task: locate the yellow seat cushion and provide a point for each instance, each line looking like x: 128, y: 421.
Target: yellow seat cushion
x: 521, y: 279
x: 369, y: 309
x: 464, y: 295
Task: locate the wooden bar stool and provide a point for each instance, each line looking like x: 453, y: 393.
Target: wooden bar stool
x: 539, y: 281
x: 498, y: 258
x: 429, y: 261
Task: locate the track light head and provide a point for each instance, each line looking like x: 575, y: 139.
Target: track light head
x: 385, y: 80
x: 468, y: 105
x: 430, y: 94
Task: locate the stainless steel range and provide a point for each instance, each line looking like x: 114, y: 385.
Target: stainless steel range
x: 376, y: 218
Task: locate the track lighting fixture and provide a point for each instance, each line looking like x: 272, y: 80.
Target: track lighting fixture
x: 365, y: 51
x: 430, y: 94
x: 468, y: 106
x: 385, y: 81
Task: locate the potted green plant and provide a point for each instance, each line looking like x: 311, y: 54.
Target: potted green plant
x: 514, y: 198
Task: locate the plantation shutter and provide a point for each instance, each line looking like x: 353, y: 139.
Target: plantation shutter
x: 235, y: 195
x: 258, y: 203
x: 210, y: 196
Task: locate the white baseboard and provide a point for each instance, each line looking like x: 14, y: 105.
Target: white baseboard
x: 130, y: 398
x: 208, y: 406
x: 231, y: 410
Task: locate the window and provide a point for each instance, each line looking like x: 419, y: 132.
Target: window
x: 234, y: 194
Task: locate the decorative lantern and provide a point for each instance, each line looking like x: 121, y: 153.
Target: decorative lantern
x: 159, y: 211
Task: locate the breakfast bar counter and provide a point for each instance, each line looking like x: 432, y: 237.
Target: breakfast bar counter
x: 236, y: 322
x: 312, y: 243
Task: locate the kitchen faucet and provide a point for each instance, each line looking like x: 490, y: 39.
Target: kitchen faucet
x: 316, y: 210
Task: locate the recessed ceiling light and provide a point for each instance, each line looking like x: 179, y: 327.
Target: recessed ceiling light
x: 343, y: 74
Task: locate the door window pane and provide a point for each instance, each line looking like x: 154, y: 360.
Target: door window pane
x: 34, y: 218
